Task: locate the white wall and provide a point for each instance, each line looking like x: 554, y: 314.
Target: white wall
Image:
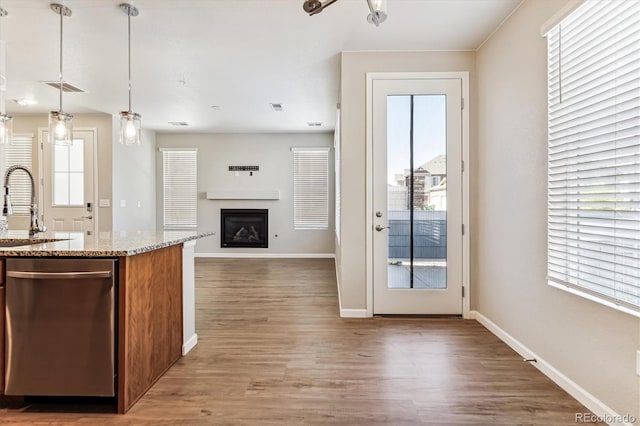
x: 590, y: 344
x: 272, y: 152
x: 134, y: 182
x: 350, y: 253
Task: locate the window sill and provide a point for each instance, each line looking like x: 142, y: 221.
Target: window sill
x: 596, y: 299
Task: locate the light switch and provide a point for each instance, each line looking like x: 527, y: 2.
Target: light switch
x: 104, y: 202
x: 123, y: 203
x: 139, y: 204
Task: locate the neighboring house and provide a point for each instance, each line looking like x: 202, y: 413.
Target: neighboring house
x: 397, y: 197
x: 426, y: 176
x: 437, y: 195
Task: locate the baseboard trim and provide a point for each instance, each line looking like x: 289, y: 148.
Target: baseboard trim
x: 338, y: 287
x: 598, y: 408
x: 353, y: 313
x: 269, y: 255
x: 189, y: 344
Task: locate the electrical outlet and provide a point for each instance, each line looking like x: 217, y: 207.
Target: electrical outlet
x: 638, y: 363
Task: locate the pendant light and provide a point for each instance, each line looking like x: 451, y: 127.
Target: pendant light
x: 61, y: 123
x: 378, y: 11
x: 129, y: 120
x: 6, y: 122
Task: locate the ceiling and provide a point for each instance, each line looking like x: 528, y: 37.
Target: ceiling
x: 218, y: 64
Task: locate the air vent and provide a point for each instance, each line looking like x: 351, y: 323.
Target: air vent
x: 314, y: 124
x: 276, y: 106
x: 179, y: 123
x: 66, y: 87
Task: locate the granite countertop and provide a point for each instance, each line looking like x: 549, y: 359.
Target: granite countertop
x: 101, y: 244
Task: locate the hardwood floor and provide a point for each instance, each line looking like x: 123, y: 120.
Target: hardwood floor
x: 272, y: 350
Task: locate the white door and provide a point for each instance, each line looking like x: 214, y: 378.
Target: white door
x: 68, y: 185
x: 417, y: 196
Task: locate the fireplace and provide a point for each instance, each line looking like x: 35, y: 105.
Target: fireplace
x: 244, y: 228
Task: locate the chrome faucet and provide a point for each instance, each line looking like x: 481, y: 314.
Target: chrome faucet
x: 7, y: 209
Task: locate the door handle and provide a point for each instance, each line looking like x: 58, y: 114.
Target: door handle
x: 86, y: 217
x: 380, y: 228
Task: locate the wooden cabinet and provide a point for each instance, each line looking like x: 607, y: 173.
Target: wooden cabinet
x: 150, y: 320
x: 2, y: 331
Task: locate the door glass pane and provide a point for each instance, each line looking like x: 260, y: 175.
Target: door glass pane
x: 60, y: 189
x: 68, y: 172
x: 60, y: 158
x: 416, y: 195
x: 76, y: 156
x: 76, y: 188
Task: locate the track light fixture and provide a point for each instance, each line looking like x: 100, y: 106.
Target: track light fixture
x: 377, y: 9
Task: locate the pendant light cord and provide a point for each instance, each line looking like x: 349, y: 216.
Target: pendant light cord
x: 129, y: 37
x: 61, y: 81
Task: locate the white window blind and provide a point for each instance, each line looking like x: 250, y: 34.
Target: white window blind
x: 311, y: 188
x: 179, y: 181
x: 594, y: 153
x: 20, y: 152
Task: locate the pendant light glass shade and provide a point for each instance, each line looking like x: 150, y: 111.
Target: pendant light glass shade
x: 61, y: 123
x: 129, y: 128
x: 129, y: 120
x: 6, y: 129
x: 60, y: 128
x: 378, y: 11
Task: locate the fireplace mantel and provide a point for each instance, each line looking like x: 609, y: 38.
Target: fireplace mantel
x: 239, y: 194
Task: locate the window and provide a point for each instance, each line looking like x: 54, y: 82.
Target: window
x: 20, y: 152
x: 179, y: 183
x: 311, y: 188
x: 68, y: 174
x: 594, y: 153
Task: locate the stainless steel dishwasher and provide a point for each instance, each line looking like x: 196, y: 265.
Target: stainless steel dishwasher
x: 60, y: 328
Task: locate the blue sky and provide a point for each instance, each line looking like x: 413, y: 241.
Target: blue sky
x: 429, y: 134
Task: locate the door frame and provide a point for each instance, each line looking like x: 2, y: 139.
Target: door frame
x: 463, y: 76
x: 41, y: 159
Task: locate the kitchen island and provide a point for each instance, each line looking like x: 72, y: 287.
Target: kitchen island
x: 153, y: 286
